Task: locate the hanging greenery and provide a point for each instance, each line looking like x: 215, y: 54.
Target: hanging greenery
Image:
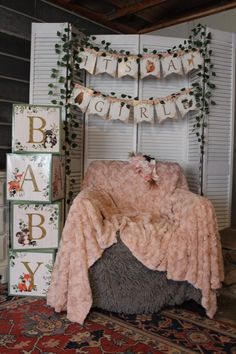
x: 69, y: 48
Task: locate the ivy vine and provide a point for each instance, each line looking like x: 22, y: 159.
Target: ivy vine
x: 69, y: 47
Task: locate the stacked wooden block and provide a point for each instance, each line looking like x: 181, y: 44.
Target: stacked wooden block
x: 35, y: 187
x: 4, y: 229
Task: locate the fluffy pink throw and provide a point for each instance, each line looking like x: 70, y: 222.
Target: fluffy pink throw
x: 165, y: 226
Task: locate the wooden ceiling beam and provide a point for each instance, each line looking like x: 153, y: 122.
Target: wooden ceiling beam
x: 120, y: 5
x: 193, y: 15
x: 94, y: 16
x: 132, y: 9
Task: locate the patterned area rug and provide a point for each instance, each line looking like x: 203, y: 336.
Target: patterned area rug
x: 28, y: 326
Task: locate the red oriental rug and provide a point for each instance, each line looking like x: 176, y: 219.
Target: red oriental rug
x: 28, y: 326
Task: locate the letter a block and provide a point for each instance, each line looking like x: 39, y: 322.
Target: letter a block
x: 35, y: 177
x: 36, y: 129
x: 35, y: 226
x: 30, y: 272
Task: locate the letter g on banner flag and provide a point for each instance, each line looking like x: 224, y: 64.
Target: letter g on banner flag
x: 99, y: 105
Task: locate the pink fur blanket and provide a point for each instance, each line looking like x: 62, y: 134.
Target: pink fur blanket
x: 165, y: 226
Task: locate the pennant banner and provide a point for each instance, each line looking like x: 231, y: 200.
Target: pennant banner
x: 156, y: 65
x: 111, y: 108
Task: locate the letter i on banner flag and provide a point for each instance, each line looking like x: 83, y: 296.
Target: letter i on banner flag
x: 81, y: 97
x: 119, y: 110
x: 107, y: 64
x: 165, y: 109
x: 186, y: 103
x: 150, y: 66
x: 171, y: 64
x: 191, y: 61
x: 88, y: 60
x: 143, y: 111
x: 99, y: 105
x: 128, y: 67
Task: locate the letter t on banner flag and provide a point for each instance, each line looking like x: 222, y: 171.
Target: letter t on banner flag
x: 107, y: 64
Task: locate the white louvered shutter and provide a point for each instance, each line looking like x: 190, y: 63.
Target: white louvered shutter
x: 43, y: 59
x: 111, y: 139
x: 172, y: 140
x: 218, y: 172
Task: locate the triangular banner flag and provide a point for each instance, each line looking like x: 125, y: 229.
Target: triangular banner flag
x: 186, y: 103
x: 99, y: 105
x: 107, y: 64
x: 128, y: 67
x: 119, y: 110
x: 165, y: 109
x: 171, y: 64
x: 150, y: 66
x: 143, y: 111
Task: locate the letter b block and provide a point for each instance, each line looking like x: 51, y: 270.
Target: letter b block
x: 35, y: 226
x: 36, y: 129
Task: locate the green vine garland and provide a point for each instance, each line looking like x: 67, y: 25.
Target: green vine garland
x: 70, y: 46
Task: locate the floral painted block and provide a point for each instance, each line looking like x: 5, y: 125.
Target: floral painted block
x: 35, y: 177
x: 36, y: 226
x: 36, y: 129
x: 30, y: 272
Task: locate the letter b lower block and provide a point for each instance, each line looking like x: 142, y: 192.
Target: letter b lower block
x: 35, y: 226
x: 30, y: 272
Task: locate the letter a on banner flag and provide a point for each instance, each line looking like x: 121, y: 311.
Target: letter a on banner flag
x: 99, y: 105
x: 171, y: 64
x: 107, y: 64
x: 88, y: 60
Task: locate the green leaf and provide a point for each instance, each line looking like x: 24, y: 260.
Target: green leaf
x: 145, y: 50
x: 123, y: 95
x: 50, y: 85
x: 54, y: 101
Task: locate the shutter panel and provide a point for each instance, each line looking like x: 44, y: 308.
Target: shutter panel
x: 171, y: 140
x: 111, y: 139
x: 218, y: 172
x: 43, y: 59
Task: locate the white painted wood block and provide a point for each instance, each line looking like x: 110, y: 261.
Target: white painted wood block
x: 36, y: 226
x: 36, y: 129
x: 30, y: 272
x: 35, y: 177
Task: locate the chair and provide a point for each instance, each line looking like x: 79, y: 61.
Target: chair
x: 136, y: 239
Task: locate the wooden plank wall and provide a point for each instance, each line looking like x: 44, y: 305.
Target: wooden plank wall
x: 15, y: 33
